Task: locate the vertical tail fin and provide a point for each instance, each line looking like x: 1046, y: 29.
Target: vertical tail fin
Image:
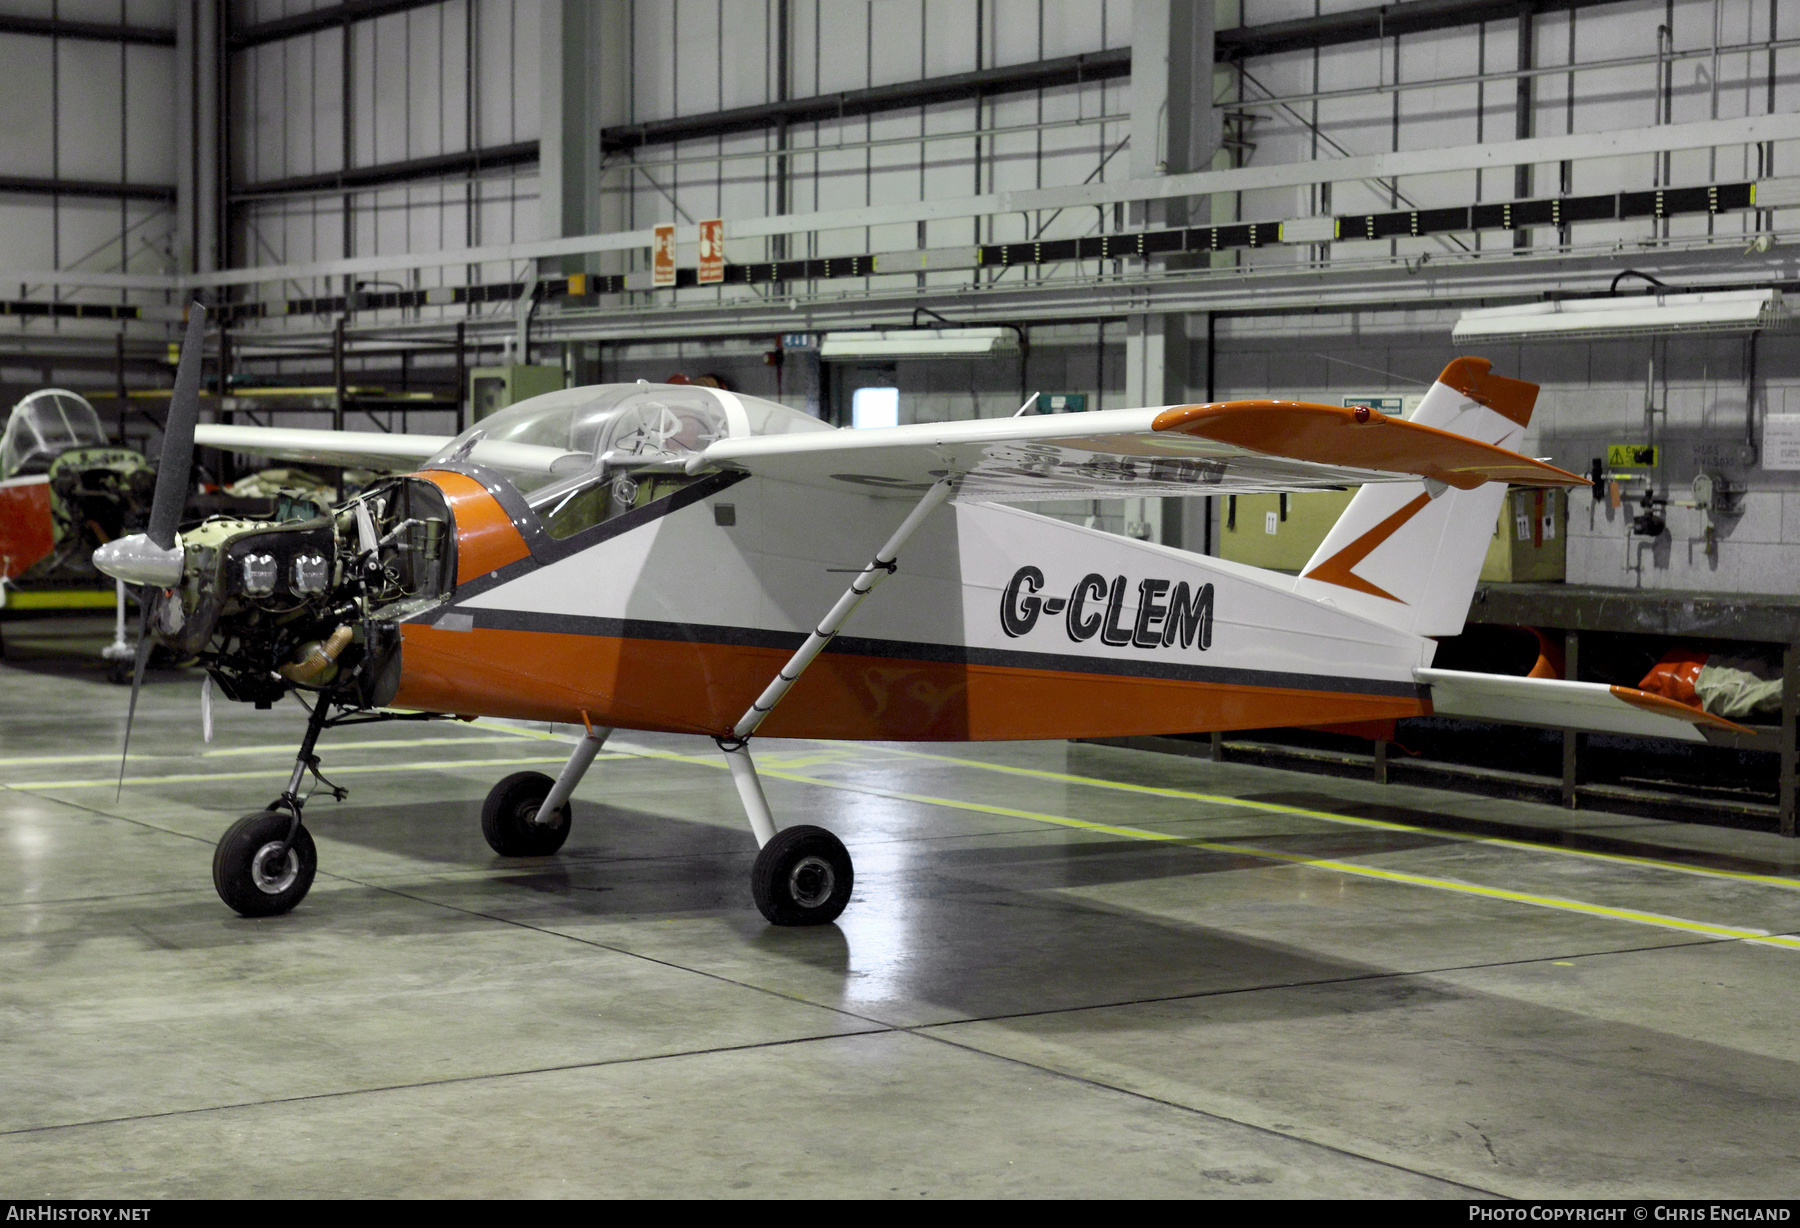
x: 1408, y: 554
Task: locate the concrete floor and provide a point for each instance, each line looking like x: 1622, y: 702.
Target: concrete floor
x: 1067, y: 970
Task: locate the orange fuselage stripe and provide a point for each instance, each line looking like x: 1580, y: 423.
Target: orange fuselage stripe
x: 683, y: 686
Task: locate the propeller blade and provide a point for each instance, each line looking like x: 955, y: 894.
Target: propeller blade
x: 145, y: 598
x: 178, y: 437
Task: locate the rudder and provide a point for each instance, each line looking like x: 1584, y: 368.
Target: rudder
x: 1408, y: 554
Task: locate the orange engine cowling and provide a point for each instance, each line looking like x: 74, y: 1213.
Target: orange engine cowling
x: 443, y: 668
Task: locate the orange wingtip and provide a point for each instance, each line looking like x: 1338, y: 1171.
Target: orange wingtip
x: 1662, y: 705
x: 1510, y: 398
x: 1360, y: 438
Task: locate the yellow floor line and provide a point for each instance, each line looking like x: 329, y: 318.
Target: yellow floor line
x: 1222, y: 799
x: 435, y: 765
x: 1557, y: 903
x: 270, y: 749
x: 1432, y: 882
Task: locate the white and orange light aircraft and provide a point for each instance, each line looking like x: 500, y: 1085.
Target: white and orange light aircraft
x: 688, y: 560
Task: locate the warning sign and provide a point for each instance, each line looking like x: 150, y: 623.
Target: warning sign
x: 712, y: 252
x: 1630, y: 455
x: 662, y: 257
x: 1781, y: 441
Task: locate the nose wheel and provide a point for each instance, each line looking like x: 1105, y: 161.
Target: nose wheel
x: 258, y: 871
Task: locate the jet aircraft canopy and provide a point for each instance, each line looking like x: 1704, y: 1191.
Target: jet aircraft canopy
x: 42, y: 427
x: 584, y: 455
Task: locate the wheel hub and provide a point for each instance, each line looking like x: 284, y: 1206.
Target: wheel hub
x: 272, y: 876
x: 811, y: 881
x: 533, y: 814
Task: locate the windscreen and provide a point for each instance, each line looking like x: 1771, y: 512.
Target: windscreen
x: 562, y: 435
x: 43, y: 426
x: 550, y: 439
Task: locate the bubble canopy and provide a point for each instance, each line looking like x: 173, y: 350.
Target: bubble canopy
x: 44, y: 425
x: 562, y: 440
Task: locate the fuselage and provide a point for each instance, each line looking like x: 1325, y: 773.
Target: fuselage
x: 1000, y: 624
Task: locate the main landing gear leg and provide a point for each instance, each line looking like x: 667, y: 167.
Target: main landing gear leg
x: 266, y: 861
x: 528, y: 814
x: 802, y: 875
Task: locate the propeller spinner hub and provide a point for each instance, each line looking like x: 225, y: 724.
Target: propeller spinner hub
x: 138, y: 560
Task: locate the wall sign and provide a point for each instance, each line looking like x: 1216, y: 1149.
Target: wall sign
x: 662, y: 257
x: 712, y: 252
x: 1781, y: 441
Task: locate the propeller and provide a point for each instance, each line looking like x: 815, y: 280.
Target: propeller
x: 153, y: 559
x: 178, y: 436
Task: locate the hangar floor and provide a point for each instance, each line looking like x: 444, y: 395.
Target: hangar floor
x: 1067, y: 970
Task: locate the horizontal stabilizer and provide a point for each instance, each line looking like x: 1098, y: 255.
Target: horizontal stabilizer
x: 1592, y: 706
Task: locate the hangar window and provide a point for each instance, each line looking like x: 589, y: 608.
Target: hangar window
x: 870, y: 407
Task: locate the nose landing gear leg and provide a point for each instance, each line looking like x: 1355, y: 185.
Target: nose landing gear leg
x: 266, y: 861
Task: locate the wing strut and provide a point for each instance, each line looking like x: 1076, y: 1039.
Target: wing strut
x: 737, y: 746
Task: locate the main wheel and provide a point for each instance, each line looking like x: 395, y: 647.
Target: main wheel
x: 509, y: 817
x: 802, y: 877
x: 249, y: 875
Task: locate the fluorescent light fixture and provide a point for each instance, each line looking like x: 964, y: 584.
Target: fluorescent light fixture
x: 1309, y: 230
x: 1635, y: 316
x: 874, y: 407
x: 919, y: 343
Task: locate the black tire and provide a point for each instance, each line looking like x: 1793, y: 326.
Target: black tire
x: 244, y: 874
x: 802, y: 877
x: 509, y: 817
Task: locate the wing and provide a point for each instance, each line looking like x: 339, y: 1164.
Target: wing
x: 1577, y: 705
x: 351, y: 449
x: 1225, y: 448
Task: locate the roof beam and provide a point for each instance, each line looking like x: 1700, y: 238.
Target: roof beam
x: 1699, y: 134
x: 1382, y: 21
x: 90, y: 31
x: 328, y: 18
x: 27, y: 186
x: 1011, y: 78
x: 358, y: 178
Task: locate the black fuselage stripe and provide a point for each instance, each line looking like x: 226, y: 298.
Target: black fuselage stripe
x: 909, y: 650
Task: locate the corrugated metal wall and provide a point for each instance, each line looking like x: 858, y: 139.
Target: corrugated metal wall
x: 82, y: 110
x: 465, y: 74
x: 440, y: 79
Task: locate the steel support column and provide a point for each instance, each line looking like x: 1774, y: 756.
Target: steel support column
x: 1573, y: 741
x: 198, y: 158
x: 1173, y: 132
x: 582, y: 78
x: 1790, y: 734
